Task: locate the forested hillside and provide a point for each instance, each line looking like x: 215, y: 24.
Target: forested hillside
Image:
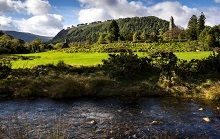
x: 89, y: 33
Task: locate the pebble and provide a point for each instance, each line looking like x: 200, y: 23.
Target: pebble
x: 155, y: 122
x: 134, y: 136
x: 93, y: 122
x: 201, y: 109
x: 206, y: 119
x: 119, y: 110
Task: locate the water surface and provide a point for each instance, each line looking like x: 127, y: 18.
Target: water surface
x: 110, y: 118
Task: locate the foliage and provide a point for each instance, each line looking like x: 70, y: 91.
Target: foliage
x: 113, y: 30
x: 35, y: 46
x: 58, y: 46
x: 213, y: 39
x: 158, y: 74
x: 89, y: 33
x: 201, y: 23
x: 166, y: 62
x: 192, y: 28
x: 129, y: 65
x: 126, y: 65
x: 5, y: 68
x: 175, y: 34
x: 136, y: 37
x: 10, y: 45
x: 102, y: 39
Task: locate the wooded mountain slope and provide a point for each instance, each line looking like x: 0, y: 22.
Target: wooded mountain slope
x: 89, y: 33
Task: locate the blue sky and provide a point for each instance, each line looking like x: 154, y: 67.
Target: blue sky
x: 48, y: 17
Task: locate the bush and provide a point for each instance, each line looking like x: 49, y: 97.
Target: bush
x: 5, y: 68
x: 67, y: 87
x: 126, y: 65
x: 166, y: 62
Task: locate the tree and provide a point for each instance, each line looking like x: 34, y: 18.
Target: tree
x: 17, y: 46
x: 101, y: 39
x: 135, y: 37
x: 109, y: 38
x: 192, y: 28
x: 58, y: 46
x: 114, y: 30
x: 36, y: 45
x: 214, y: 37
x: 204, y: 35
x: 172, y: 25
x: 174, y: 34
x: 201, y: 23
x: 153, y: 37
x: 143, y: 36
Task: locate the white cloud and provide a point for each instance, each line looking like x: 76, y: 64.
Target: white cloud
x: 34, y: 7
x: 10, y: 5
x: 106, y: 9
x: 41, y: 22
x: 211, y: 14
x: 181, y: 13
x: 93, y: 10
x: 6, y: 23
x: 37, y: 7
x: 217, y: 1
x: 47, y: 25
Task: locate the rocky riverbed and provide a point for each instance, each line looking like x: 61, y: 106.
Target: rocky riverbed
x: 109, y: 118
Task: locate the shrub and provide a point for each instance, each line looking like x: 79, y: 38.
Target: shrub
x: 126, y: 65
x: 165, y: 61
x: 67, y: 87
x: 5, y: 68
x: 58, y: 46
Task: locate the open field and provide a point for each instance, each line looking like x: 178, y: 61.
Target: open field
x: 84, y: 59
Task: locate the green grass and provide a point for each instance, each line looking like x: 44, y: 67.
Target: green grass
x: 85, y: 59
x: 193, y: 55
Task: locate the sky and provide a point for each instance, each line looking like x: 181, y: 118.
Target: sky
x: 48, y: 17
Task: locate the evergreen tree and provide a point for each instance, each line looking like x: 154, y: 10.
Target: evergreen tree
x: 201, y: 23
x: 192, y: 28
x: 114, y: 30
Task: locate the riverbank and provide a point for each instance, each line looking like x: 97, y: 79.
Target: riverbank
x: 90, y: 82
x: 121, y: 75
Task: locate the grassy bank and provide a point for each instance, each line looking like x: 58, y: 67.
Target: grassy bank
x: 120, y: 75
x: 71, y: 82
x: 83, y: 59
x: 60, y: 86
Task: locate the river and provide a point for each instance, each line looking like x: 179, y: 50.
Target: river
x: 110, y: 118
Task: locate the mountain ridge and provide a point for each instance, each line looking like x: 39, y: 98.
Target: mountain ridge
x: 28, y: 37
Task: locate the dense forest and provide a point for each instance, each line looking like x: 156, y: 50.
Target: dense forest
x: 148, y: 25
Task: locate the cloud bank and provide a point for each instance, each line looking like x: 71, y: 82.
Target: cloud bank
x: 93, y: 10
x: 217, y: 1
x: 40, y: 22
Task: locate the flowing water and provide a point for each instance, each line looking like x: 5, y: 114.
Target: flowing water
x: 110, y: 118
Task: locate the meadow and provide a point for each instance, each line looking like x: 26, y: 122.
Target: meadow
x: 84, y: 59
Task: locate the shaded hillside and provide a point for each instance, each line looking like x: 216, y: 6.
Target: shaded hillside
x: 26, y: 36
x: 89, y: 33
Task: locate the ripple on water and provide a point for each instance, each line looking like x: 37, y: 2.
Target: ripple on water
x: 112, y: 118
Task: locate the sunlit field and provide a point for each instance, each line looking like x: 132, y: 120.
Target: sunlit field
x: 84, y: 59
